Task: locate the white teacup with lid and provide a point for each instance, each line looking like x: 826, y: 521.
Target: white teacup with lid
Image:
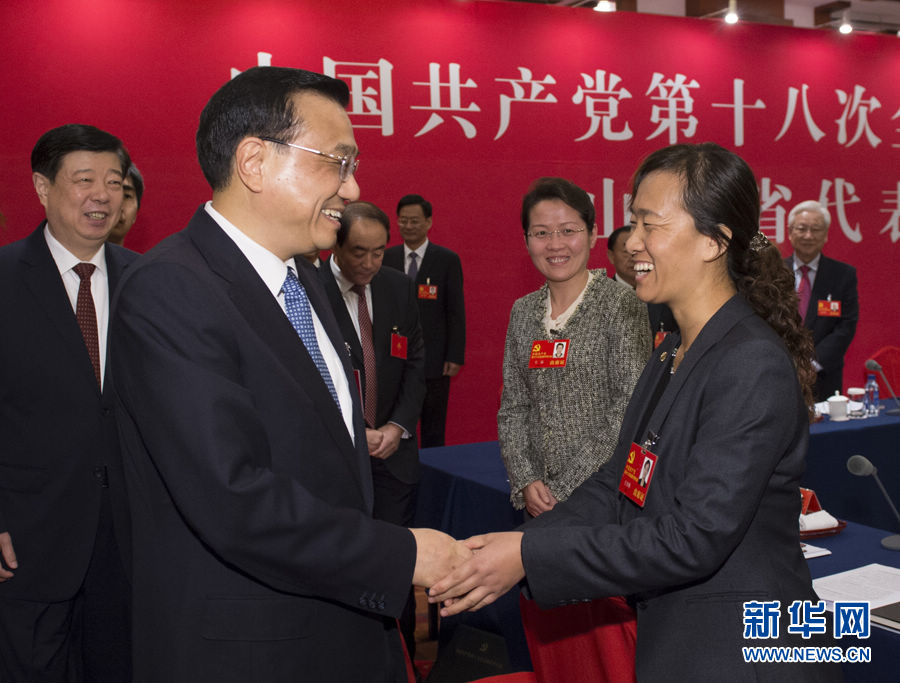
x: 837, y: 407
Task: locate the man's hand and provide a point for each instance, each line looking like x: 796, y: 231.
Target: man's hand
x: 8, y: 557
x: 451, y: 369
x: 495, y: 567
x: 373, y: 439
x: 437, y: 554
x: 538, y: 498
x: 391, y: 435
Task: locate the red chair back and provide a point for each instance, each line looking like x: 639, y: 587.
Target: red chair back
x: 589, y: 642
x: 889, y: 359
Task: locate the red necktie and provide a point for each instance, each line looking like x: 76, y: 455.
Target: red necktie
x: 86, y: 315
x: 804, y: 290
x: 368, y: 349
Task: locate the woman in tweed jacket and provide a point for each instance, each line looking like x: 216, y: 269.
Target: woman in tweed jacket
x: 558, y: 425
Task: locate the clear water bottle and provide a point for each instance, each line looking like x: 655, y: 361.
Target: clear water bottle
x: 871, y: 396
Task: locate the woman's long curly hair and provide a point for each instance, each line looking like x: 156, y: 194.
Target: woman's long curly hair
x: 719, y: 189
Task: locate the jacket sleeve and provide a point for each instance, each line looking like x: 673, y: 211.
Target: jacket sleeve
x: 408, y: 405
x: 456, y: 313
x: 523, y: 465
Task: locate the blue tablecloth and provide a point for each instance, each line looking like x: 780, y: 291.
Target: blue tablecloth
x: 847, y: 496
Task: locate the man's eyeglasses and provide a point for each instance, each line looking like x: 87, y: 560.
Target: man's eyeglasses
x: 814, y: 230
x: 349, y: 164
x: 565, y: 233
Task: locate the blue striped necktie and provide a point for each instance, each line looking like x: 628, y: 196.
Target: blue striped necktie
x: 299, y: 312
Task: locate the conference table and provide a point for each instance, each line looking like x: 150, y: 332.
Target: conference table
x: 847, y: 496
x: 464, y: 491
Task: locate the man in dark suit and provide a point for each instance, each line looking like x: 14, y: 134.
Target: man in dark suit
x: 256, y: 555
x: 662, y: 322
x: 376, y: 311
x: 64, y: 595
x: 826, y: 290
x: 437, y: 274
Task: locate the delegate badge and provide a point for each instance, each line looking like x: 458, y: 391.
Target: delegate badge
x: 428, y: 291
x: 659, y: 337
x: 548, y: 353
x: 398, y: 346
x: 638, y: 473
x: 829, y: 309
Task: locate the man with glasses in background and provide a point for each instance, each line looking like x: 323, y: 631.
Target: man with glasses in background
x: 826, y: 294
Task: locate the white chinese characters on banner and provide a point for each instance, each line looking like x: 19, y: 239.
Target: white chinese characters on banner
x: 525, y: 89
x: 453, y: 87
x: 601, y: 104
x: 371, y: 92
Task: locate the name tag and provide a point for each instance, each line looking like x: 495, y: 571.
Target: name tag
x: 829, y: 309
x: 659, y: 337
x: 398, y: 346
x: 428, y: 292
x: 638, y: 474
x: 548, y: 353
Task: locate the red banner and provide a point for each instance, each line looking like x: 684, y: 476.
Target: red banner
x: 466, y: 103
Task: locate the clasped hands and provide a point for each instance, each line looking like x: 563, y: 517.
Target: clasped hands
x: 469, y: 574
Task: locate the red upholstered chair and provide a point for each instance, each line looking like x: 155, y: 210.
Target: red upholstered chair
x: 590, y: 642
x: 889, y: 359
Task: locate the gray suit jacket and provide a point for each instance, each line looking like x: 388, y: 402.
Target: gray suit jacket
x: 560, y: 425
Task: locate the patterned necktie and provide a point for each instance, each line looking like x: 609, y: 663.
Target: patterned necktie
x: 368, y: 348
x: 413, y: 266
x: 804, y: 290
x: 86, y: 315
x: 299, y: 312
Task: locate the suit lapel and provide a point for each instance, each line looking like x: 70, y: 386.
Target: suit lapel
x: 346, y: 329
x: 43, y: 279
x: 266, y: 318
x: 734, y: 310
x: 381, y: 327
x: 820, y: 290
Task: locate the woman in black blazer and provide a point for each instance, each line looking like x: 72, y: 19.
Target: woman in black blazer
x: 723, y: 409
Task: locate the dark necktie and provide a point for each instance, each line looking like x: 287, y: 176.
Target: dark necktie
x: 368, y: 349
x: 413, y: 266
x: 804, y: 290
x: 299, y: 312
x: 86, y: 315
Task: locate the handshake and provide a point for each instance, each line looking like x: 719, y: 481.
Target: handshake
x: 469, y: 574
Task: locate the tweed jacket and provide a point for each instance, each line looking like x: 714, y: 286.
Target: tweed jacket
x: 559, y: 425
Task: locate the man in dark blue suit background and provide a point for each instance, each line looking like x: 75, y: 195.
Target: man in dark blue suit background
x: 64, y: 595
x: 828, y: 289
x: 437, y: 274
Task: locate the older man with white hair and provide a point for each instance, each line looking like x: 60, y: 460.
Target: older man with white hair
x: 826, y: 292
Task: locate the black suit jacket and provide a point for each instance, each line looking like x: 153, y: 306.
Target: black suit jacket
x: 832, y: 336
x: 256, y: 557
x: 56, y: 429
x: 719, y: 523
x: 401, y: 382
x: 443, y: 319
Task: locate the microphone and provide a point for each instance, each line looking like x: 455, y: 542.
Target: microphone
x: 873, y: 365
x: 861, y: 466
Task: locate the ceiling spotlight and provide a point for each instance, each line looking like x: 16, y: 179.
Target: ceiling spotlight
x: 845, y: 26
x: 605, y: 6
x: 731, y: 17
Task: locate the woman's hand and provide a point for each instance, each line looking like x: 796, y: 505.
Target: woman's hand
x: 495, y: 567
x: 538, y: 498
